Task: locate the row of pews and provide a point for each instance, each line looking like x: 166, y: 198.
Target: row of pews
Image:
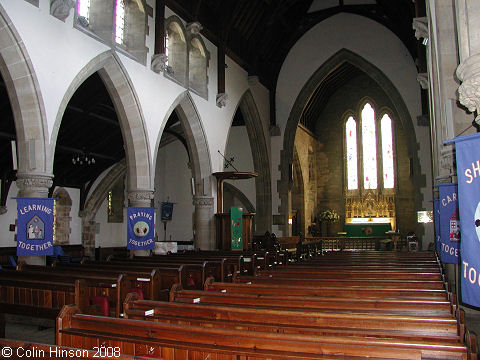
x: 226, y: 305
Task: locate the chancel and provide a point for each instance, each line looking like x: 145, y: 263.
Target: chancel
x: 264, y: 179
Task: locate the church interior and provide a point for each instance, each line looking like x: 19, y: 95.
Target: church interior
x: 250, y: 179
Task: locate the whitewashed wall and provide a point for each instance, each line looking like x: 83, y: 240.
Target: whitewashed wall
x: 238, y: 146
x: 172, y: 183
x: 57, y: 66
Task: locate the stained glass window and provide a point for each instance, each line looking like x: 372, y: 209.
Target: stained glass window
x: 351, y: 144
x: 119, y: 21
x: 369, y: 141
x: 387, y: 151
x: 83, y: 8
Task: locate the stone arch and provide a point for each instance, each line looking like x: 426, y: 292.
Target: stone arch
x: 261, y: 162
x: 63, y: 206
x: 200, y: 165
x: 127, y: 106
x: 237, y: 193
x: 26, y: 102
x: 284, y: 184
x: 93, y: 203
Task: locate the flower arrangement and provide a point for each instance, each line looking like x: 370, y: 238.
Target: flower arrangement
x: 329, y: 215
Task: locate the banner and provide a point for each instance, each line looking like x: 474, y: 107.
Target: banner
x: 436, y: 222
x: 34, y: 226
x: 468, y: 173
x: 167, y: 211
x: 236, y: 228
x: 140, y: 228
x: 449, y: 224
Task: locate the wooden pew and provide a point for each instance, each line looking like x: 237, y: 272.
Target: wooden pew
x: 37, y: 290
x: 292, y: 322
x: 338, y: 291
x: 209, y: 268
x: 317, y: 303
x: 323, y: 282
x: 154, y: 282
x: 196, y: 273
x: 313, y: 272
x: 174, y: 341
x: 32, y: 350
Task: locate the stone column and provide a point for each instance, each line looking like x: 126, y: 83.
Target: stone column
x: 140, y: 198
x: 203, y: 222
x: 90, y: 229
x: 35, y: 186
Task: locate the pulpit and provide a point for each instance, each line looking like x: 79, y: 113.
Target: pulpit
x: 222, y: 219
x: 222, y: 222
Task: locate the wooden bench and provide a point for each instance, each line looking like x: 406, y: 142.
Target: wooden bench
x: 209, y: 268
x: 338, y: 291
x: 314, y: 272
x: 33, y: 350
x: 175, y: 341
x: 34, y: 291
x: 317, y: 303
x: 305, y: 322
x: 322, y: 282
x: 154, y: 282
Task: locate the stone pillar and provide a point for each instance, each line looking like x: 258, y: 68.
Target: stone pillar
x: 90, y: 229
x: 140, y: 198
x: 35, y: 186
x: 203, y: 222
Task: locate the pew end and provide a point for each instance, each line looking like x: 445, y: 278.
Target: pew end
x: 64, y: 321
x: 472, y: 345
x: 173, y: 291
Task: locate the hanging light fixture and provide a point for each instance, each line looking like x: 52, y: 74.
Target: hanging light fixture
x: 83, y: 159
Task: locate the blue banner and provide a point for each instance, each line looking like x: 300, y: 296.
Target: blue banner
x: 468, y: 173
x: 34, y: 226
x: 449, y: 223
x: 167, y: 211
x: 140, y: 228
x: 436, y: 222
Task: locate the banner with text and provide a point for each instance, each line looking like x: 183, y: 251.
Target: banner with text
x: 436, y: 221
x: 236, y: 228
x: 34, y: 226
x: 449, y: 223
x: 467, y: 150
x: 140, y: 228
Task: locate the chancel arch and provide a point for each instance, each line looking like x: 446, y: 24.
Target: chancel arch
x: 324, y: 115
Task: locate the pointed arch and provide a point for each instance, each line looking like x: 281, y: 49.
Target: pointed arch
x: 25, y: 99
x: 261, y: 162
x: 200, y: 165
x: 130, y: 116
x: 343, y: 55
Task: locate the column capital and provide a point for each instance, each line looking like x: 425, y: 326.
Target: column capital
x: 34, y: 185
x: 140, y: 197
x: 469, y: 74
x: 203, y: 201
x: 420, y: 25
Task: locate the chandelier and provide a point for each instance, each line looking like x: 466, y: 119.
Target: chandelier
x: 83, y: 159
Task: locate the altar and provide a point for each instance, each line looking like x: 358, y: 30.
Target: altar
x: 366, y: 229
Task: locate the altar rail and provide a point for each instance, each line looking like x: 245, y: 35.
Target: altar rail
x: 336, y: 243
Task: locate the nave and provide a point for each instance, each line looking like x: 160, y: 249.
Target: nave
x: 249, y: 305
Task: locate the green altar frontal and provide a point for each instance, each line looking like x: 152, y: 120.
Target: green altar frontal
x: 366, y: 229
